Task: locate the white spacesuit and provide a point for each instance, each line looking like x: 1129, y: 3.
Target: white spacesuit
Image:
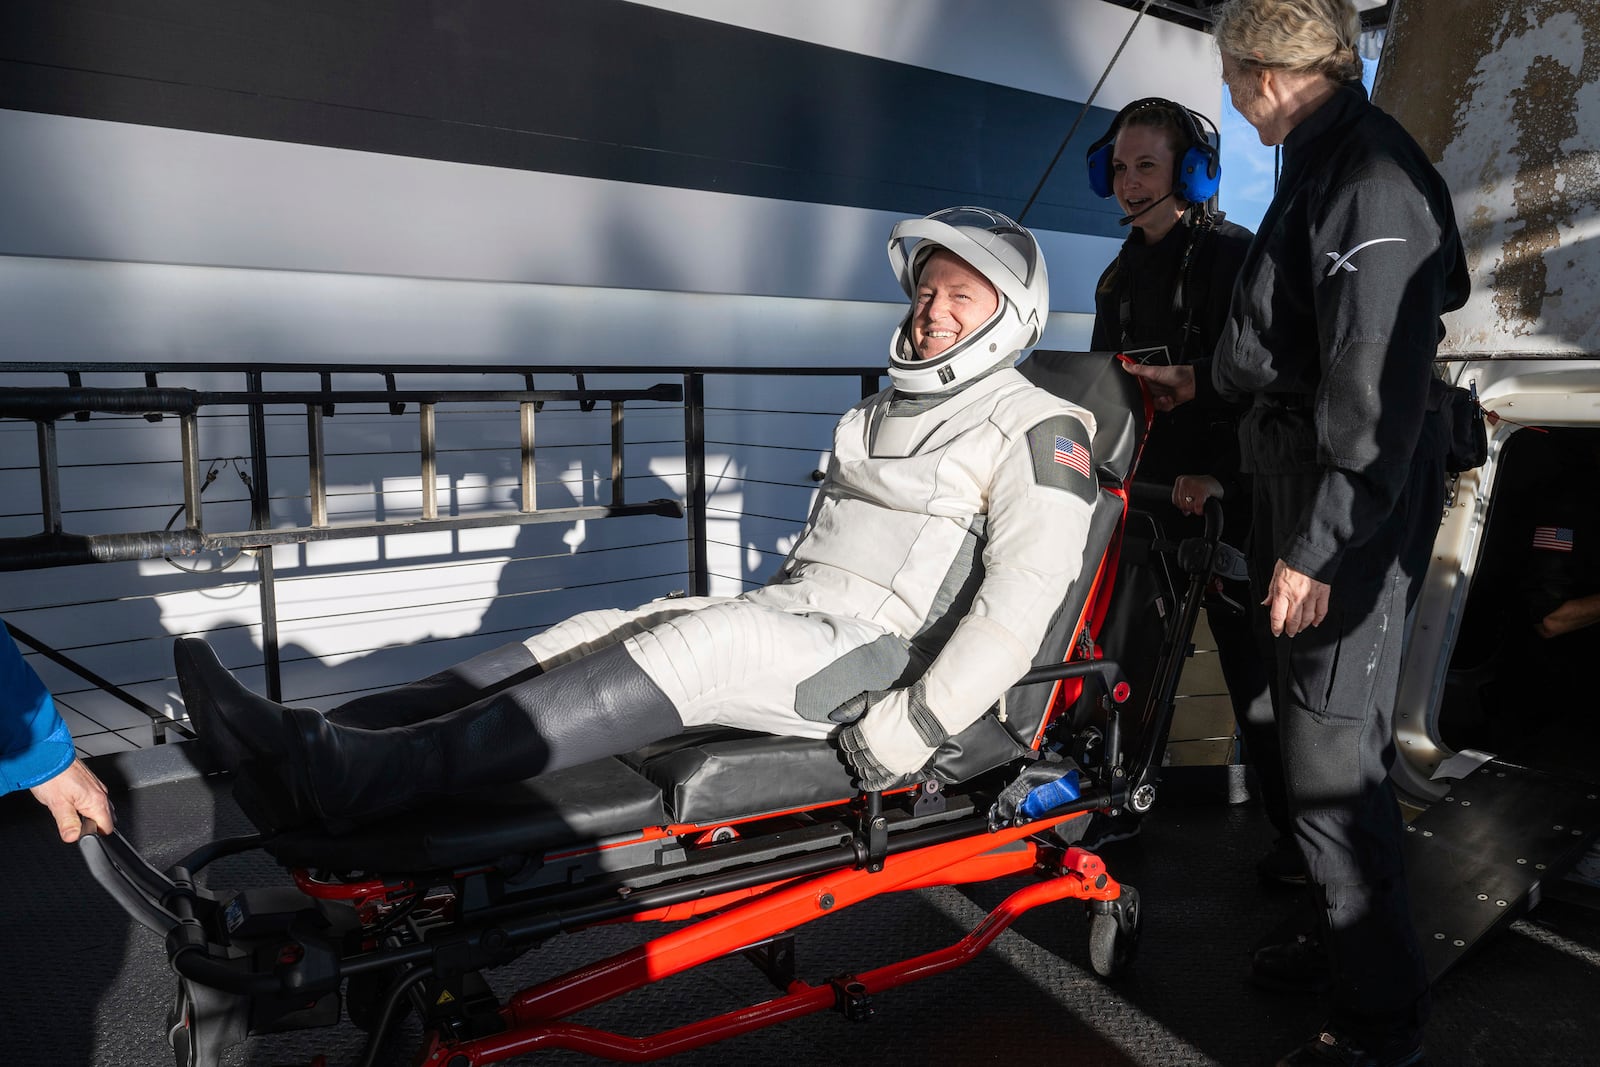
x: 947, y: 531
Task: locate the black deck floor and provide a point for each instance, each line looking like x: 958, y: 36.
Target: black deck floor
x: 82, y: 985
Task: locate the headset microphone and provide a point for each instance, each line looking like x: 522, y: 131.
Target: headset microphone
x: 1124, y: 220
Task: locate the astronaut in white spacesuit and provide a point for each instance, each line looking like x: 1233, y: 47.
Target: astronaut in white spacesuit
x: 948, y: 529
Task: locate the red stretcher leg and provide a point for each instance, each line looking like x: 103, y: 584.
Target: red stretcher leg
x: 533, y: 1023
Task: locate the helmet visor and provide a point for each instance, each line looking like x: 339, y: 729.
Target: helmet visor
x: 991, y: 243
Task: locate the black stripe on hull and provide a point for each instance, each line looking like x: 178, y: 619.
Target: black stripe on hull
x: 592, y: 88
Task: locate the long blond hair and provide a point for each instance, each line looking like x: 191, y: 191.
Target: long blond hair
x: 1312, y: 36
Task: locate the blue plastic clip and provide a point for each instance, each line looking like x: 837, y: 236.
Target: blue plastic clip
x: 1050, y: 796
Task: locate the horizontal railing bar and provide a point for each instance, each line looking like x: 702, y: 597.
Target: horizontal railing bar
x: 286, y: 535
x: 64, y: 549
x: 156, y: 715
x: 27, y: 402
x: 358, y: 453
x: 41, y: 551
x: 664, y: 393
x: 33, y: 367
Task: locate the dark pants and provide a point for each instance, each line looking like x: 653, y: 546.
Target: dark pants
x: 1238, y: 631
x: 1244, y: 669
x: 1334, y: 688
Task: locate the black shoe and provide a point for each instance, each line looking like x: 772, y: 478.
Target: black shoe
x: 1104, y: 828
x: 1283, y: 864
x: 233, y: 724
x: 1328, y: 1049
x: 1297, y: 965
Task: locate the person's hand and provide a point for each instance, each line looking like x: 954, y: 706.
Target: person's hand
x: 1295, y: 602
x: 871, y: 775
x: 1169, y: 386
x: 1191, y: 491
x: 73, y: 795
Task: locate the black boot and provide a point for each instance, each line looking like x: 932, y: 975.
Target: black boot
x: 341, y: 776
x: 1293, y: 963
x: 250, y: 729
x: 456, y: 686
x: 233, y: 724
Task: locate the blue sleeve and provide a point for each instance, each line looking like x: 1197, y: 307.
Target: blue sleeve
x: 34, y: 743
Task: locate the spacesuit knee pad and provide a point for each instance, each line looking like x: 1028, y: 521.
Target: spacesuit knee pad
x: 591, y: 631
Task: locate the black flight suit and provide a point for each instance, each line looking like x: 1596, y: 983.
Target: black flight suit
x: 1175, y: 292
x: 1550, y: 687
x: 1331, y: 335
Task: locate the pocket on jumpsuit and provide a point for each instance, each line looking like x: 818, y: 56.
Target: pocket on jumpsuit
x: 1335, y: 672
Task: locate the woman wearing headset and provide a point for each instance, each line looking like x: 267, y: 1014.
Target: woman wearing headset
x: 1165, y: 300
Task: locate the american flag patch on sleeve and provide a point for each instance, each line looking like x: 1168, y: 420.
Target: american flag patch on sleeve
x: 1058, y: 451
x: 1553, y: 538
x: 1076, y: 456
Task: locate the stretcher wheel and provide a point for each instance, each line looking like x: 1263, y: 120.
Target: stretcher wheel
x: 1114, y: 933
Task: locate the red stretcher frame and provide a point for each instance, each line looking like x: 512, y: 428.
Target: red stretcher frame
x: 726, y: 921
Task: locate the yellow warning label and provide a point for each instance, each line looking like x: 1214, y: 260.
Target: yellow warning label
x: 444, y: 998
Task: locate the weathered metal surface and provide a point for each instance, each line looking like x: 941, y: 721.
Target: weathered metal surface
x: 1505, y: 96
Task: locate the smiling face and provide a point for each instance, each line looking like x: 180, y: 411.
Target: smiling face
x: 1143, y: 162
x: 952, y: 301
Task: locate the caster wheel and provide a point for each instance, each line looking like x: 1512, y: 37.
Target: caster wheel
x: 1114, y: 933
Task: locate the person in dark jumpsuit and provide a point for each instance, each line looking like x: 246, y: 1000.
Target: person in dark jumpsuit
x: 1169, y: 288
x: 1558, y: 622
x: 1333, y: 327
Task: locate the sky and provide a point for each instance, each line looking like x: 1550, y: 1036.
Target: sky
x: 1247, y: 165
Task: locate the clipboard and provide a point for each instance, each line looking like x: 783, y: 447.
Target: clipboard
x: 1156, y: 356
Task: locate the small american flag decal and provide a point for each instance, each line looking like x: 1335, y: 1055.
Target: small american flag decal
x: 1553, y: 538
x: 1072, y: 455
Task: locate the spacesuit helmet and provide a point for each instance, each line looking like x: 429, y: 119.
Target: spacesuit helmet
x: 1007, y: 256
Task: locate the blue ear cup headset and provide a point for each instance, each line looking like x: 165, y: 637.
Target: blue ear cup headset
x: 1199, y: 170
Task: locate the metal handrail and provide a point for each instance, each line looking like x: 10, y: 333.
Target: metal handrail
x: 159, y: 722
x: 57, y: 546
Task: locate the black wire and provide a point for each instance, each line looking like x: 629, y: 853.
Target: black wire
x: 1083, y: 111
x: 403, y: 981
x: 211, y: 476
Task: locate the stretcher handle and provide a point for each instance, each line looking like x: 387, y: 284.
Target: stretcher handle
x: 1201, y: 563
x: 141, y: 889
x: 1213, y: 513
x: 130, y: 879
x: 1157, y: 496
x: 194, y: 963
x: 1108, y: 670
x: 1151, y: 496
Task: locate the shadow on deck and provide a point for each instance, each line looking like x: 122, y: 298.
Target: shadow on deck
x: 84, y: 986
